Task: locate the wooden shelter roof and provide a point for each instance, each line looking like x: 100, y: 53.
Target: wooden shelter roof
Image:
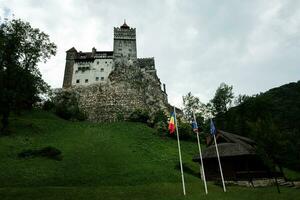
x: 232, y: 145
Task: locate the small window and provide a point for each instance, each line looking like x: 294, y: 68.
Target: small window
x: 129, y: 50
x: 77, y: 81
x: 120, y: 49
x: 86, y: 80
x: 97, y: 78
x: 102, y: 69
x: 105, y: 62
x: 102, y: 78
x: 97, y: 62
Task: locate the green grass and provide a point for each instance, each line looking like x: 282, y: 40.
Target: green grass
x: 291, y: 174
x: 104, y: 161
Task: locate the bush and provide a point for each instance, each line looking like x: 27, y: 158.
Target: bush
x: 160, y: 116
x: 48, y: 105
x: 139, y: 116
x: 66, y: 106
x: 120, y: 116
x: 49, y: 152
x: 160, y: 122
x: 185, y: 131
x: 161, y: 128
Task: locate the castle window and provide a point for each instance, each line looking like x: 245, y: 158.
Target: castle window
x: 97, y: 62
x: 129, y: 49
x: 102, y: 69
x: 86, y: 80
x: 120, y: 49
x: 97, y: 78
x: 77, y: 81
x: 105, y: 61
x: 102, y: 78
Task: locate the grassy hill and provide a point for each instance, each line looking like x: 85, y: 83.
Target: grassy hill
x: 104, y: 161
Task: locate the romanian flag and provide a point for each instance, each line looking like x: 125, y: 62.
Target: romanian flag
x: 172, y: 124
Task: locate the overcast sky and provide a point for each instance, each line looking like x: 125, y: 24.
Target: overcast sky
x: 253, y: 45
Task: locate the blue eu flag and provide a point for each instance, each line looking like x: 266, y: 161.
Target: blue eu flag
x: 213, y: 130
x: 195, y: 126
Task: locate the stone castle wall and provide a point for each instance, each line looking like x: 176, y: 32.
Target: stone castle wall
x: 129, y: 88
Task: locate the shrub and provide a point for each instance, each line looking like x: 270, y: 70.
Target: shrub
x: 139, y: 116
x: 160, y: 122
x: 160, y: 116
x: 161, y: 128
x: 185, y: 131
x: 49, y: 152
x: 66, y: 106
x: 120, y: 116
x: 48, y: 105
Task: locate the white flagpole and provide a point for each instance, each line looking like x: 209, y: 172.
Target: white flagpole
x: 200, y: 154
x: 224, y: 188
x: 179, y: 152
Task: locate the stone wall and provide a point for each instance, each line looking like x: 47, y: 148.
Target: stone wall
x: 128, y: 88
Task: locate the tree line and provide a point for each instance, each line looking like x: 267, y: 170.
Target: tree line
x: 270, y: 118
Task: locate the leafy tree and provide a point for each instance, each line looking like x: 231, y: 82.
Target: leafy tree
x: 190, y: 103
x: 271, y: 143
x: 240, y: 99
x: 21, y: 49
x: 222, y: 99
x: 279, y: 106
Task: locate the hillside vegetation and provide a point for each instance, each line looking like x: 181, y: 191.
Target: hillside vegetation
x: 273, y: 116
x: 104, y: 161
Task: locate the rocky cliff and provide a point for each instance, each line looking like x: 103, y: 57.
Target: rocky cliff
x: 129, y: 88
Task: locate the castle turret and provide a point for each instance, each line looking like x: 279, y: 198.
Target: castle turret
x: 125, y: 42
x: 70, y: 60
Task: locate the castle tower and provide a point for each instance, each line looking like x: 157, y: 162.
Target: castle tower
x: 70, y: 60
x: 125, y: 42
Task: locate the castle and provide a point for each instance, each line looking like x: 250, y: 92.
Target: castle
x: 114, y: 83
x: 85, y: 68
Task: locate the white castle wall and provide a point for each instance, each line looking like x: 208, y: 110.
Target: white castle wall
x: 93, y: 72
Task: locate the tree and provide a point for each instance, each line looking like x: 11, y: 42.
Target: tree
x: 21, y: 49
x: 222, y: 99
x: 271, y: 143
x: 240, y: 99
x: 190, y: 103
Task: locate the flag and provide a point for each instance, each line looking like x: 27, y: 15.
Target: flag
x: 195, y: 126
x: 172, y: 123
x: 213, y: 130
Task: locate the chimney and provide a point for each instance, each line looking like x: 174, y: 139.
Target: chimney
x: 94, y: 51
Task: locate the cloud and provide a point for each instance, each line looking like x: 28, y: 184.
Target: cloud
x: 252, y: 45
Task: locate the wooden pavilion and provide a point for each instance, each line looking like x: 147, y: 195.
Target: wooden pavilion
x: 238, y: 157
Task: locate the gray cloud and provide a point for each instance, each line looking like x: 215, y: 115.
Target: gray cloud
x: 253, y: 45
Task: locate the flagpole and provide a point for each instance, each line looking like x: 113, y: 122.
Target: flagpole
x: 224, y: 188
x: 179, y: 152
x: 200, y: 154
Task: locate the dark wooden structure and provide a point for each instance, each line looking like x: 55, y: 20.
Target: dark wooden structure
x: 238, y: 158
